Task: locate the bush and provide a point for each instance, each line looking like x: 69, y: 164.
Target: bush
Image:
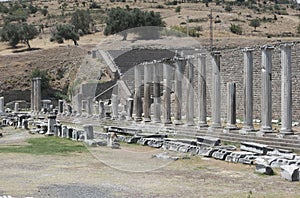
x: 178, y: 9
x: 171, y: 3
x: 236, y: 29
x: 228, y: 8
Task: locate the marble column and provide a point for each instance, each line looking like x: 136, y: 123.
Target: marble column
x: 51, y: 123
x: 179, y: 69
x: 202, y: 90
x: 79, y: 104
x: 266, y: 95
x: 89, y: 106
x: 138, y: 103
x: 2, y: 108
x: 216, y: 92
x: 129, y: 109
x: 190, y: 92
x: 156, y: 93
x: 60, y: 106
x: 167, y: 70
x: 286, y: 89
x: 37, y: 94
x: 248, y: 90
x: 114, y: 106
x: 231, y: 106
x: 147, y: 96
x: 101, y: 109
x: 88, y: 132
x: 32, y: 96
x: 16, y: 107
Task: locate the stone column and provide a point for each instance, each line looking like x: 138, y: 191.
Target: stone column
x: 179, y: 64
x: 38, y: 94
x: 16, y: 107
x: 88, y: 132
x: 114, y: 106
x: 65, y: 132
x: 94, y: 53
x: 51, y: 123
x: 266, y: 95
x: 129, y: 109
x: 156, y: 93
x: 167, y: 70
x: 138, y: 104
x: 147, y: 96
x: 231, y: 106
x: 202, y: 90
x: 96, y: 109
x: 79, y: 104
x: 286, y: 89
x: 60, y: 106
x: 2, y: 108
x: 32, y: 96
x: 248, y: 90
x: 101, y: 109
x: 89, y: 106
x: 216, y: 92
x: 190, y: 93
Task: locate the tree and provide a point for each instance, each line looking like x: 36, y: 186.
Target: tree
x: 65, y: 31
x: 120, y: 19
x: 14, y: 33
x: 228, y: 8
x: 236, y: 29
x: 43, y: 75
x: 81, y: 20
x: 255, y: 23
x: 178, y: 9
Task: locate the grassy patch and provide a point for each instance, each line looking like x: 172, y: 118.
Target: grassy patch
x: 46, y: 146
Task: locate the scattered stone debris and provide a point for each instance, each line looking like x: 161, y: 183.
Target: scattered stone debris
x: 290, y: 172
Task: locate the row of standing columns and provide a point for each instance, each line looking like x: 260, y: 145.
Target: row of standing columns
x: 266, y: 96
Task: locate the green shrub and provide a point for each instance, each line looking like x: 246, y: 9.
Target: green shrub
x: 236, y: 29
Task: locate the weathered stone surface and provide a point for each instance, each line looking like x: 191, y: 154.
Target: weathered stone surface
x: 125, y: 131
x: 248, y: 160
x: 285, y: 154
x: 254, y: 147
x: 290, y: 172
x: 221, y: 154
x: 206, y: 151
x: 88, y: 132
x: 208, y: 141
x: 264, y: 169
x: 236, y: 156
x: 165, y: 155
x: 280, y: 162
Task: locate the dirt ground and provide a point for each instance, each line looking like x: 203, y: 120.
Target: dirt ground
x: 130, y: 172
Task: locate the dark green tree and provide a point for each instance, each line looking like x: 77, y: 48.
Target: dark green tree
x: 236, y: 29
x: 178, y: 9
x: 14, y: 33
x: 28, y: 32
x: 10, y: 34
x: 81, y: 20
x: 120, y: 19
x: 255, y: 23
x: 65, y: 32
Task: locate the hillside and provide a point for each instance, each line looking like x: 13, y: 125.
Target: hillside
x: 61, y: 61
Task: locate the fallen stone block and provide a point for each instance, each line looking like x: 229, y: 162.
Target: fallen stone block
x: 250, y: 160
x: 221, y: 154
x: 285, y: 154
x: 264, y: 169
x: 124, y: 131
x: 236, y: 156
x: 261, y: 149
x: 91, y: 143
x: 265, y: 160
x: 290, y: 172
x: 133, y: 139
x: 280, y: 162
x: 208, y: 141
x: 155, y: 143
x: 206, y: 151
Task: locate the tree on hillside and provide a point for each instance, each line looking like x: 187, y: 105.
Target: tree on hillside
x: 81, y: 20
x: 120, y: 19
x: 15, y: 33
x: 65, y: 32
x: 255, y: 23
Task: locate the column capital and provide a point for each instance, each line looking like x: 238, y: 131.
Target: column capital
x: 216, y: 53
x: 201, y: 55
x: 286, y: 45
x: 247, y: 49
x: 267, y: 47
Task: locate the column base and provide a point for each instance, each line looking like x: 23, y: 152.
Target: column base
x: 190, y: 123
x: 156, y: 120
x: 128, y: 118
x: 138, y: 119
x: 167, y: 122
x: 286, y: 132
x: 177, y: 122
x: 49, y: 134
x: 202, y: 124
x: 147, y: 120
x: 231, y: 127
